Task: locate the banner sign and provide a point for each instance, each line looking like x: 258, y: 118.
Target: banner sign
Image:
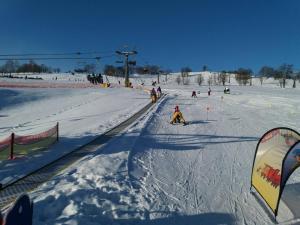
x: 20, y: 213
x: 291, y: 162
x: 270, y: 156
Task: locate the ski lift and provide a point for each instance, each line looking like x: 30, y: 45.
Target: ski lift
x: 98, y: 67
x: 146, y: 67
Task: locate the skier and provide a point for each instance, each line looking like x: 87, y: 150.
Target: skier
x: 153, y: 95
x: 209, y: 91
x: 194, y: 94
x: 158, y: 92
x: 226, y: 90
x: 177, y: 116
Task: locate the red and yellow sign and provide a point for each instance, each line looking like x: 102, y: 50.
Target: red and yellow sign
x: 268, y: 163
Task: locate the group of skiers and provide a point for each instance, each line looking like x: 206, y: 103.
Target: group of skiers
x: 155, y: 94
x: 194, y: 95
x: 177, y: 116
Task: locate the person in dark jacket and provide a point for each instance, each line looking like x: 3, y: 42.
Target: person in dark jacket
x: 194, y: 95
x: 158, y: 92
x: 153, y: 95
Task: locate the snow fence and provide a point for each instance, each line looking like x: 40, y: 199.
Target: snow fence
x: 16, y: 145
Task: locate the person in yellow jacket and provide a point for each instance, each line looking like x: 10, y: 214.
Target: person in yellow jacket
x: 177, y: 116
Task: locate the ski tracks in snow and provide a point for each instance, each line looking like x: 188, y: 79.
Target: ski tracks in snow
x: 198, y: 168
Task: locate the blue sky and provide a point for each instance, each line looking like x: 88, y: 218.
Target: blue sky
x: 222, y: 34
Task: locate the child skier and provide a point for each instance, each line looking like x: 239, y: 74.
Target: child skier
x: 226, y: 90
x: 177, y: 117
x: 158, y: 92
x: 153, y: 95
x: 194, y: 95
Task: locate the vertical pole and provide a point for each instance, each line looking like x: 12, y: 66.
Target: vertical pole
x: 12, y: 140
x: 207, y: 109
x: 126, y: 64
x: 126, y: 71
x: 57, y: 131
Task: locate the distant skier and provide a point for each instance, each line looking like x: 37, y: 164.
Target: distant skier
x: 177, y: 116
x: 209, y: 91
x: 153, y: 95
x: 158, y: 92
x: 194, y: 95
x: 226, y: 90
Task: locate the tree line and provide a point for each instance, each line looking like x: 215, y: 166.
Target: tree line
x: 282, y: 73
x: 244, y: 76
x: 112, y: 70
x: 13, y: 66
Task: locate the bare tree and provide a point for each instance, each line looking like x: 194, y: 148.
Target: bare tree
x: 10, y: 66
x: 223, y: 77
x: 109, y: 70
x: 295, y: 77
x: 294, y: 82
x: 243, y: 76
x: 199, y: 79
x: 261, y: 79
x: 266, y: 71
x: 215, y: 78
x: 178, y: 79
x: 285, y: 71
x: 186, y: 81
x: 185, y: 71
x: 210, y: 80
x: 90, y: 68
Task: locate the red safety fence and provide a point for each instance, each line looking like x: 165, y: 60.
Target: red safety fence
x: 17, y: 145
x: 5, y: 148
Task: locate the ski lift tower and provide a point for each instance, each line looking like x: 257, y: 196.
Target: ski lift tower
x: 127, y: 54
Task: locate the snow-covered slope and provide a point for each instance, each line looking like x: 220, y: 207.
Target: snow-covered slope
x: 157, y: 173
x: 82, y: 115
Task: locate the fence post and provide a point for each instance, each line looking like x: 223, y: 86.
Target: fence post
x: 12, y: 140
x: 57, y: 130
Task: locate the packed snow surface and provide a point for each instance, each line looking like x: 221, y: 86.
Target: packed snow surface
x: 82, y: 115
x: 155, y: 172
x: 158, y: 173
